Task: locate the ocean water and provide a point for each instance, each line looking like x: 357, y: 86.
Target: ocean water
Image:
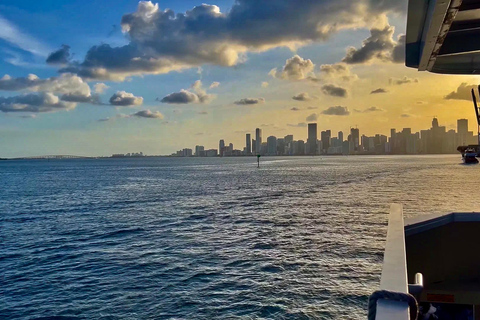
x: 186, y: 238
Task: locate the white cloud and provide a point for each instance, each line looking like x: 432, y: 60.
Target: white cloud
x: 10, y: 33
x: 122, y: 98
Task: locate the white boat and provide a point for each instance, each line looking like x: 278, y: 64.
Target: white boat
x: 432, y: 263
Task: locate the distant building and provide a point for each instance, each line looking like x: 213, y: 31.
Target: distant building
x: 312, y: 138
x: 248, y: 144
x: 354, y: 140
x: 340, y: 136
x: 325, y: 138
x: 199, y: 150
x: 272, y: 146
x: 221, y: 147
x: 258, y: 140
x: 462, y: 131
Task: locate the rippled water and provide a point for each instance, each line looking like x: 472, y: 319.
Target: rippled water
x: 160, y: 238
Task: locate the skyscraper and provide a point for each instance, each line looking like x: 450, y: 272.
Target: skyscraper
x: 248, y: 144
x: 221, y: 147
x: 258, y: 140
x: 462, y: 131
x: 325, y: 137
x: 272, y: 146
x: 354, y: 140
x: 312, y: 138
x: 340, y: 136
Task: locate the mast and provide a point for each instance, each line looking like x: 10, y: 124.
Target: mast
x: 476, y: 113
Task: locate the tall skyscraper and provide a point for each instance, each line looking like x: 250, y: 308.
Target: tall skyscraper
x: 462, y: 126
x: 248, y: 144
x: 340, y: 136
x: 312, y: 138
x: 325, y: 137
x: 221, y: 147
x: 258, y: 140
x: 354, y: 140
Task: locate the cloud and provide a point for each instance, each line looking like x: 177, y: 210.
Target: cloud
x: 249, y: 101
x: 336, y: 111
x: 312, y: 117
x: 122, y: 98
x: 298, y: 125
x: 332, y: 90
x: 295, y: 68
x: 463, y: 92
x: 264, y: 84
x: 379, y: 46
x: 214, y: 84
x: 340, y: 71
x: 302, y: 97
x: 59, y: 57
x: 368, y: 110
x: 400, y: 81
x: 379, y: 90
x: 148, y: 114
x: 162, y: 40
x: 100, y: 87
x: 184, y: 96
x: 295, y: 109
x: 312, y: 108
x: 10, y: 33
x: 34, y: 102
x: 71, y: 87
x: 405, y: 115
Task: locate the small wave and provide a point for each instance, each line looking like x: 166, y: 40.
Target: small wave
x: 121, y: 232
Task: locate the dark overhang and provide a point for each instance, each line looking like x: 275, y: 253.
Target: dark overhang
x: 443, y: 36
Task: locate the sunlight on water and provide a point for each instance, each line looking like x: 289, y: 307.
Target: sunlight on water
x: 192, y: 238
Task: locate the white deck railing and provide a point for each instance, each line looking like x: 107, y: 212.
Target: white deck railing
x: 394, y: 272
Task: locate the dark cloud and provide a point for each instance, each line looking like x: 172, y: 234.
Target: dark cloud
x: 124, y: 99
x: 299, y: 125
x: 312, y: 117
x: 302, y: 97
x: 59, y: 57
x: 182, y: 97
x: 78, y: 97
x: 400, y: 81
x: 295, y: 68
x: 148, y: 114
x: 8, y: 83
x: 379, y: 46
x: 162, y: 40
x: 34, y: 102
x: 463, y: 92
x: 295, y: 109
x: 405, y: 115
x: 185, y: 96
x: 379, y: 90
x: 336, y: 111
x: 249, y: 101
x: 333, y: 90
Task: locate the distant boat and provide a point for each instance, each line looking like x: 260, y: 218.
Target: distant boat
x: 470, y: 156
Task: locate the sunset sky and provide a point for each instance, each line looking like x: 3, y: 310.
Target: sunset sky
x: 102, y: 77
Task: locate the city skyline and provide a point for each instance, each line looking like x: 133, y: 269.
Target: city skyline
x: 435, y: 140
x: 110, y: 80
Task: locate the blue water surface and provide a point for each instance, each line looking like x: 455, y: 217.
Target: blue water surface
x: 209, y: 238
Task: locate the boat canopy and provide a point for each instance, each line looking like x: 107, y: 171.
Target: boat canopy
x: 443, y: 36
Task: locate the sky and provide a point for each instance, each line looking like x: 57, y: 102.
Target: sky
x: 94, y: 78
